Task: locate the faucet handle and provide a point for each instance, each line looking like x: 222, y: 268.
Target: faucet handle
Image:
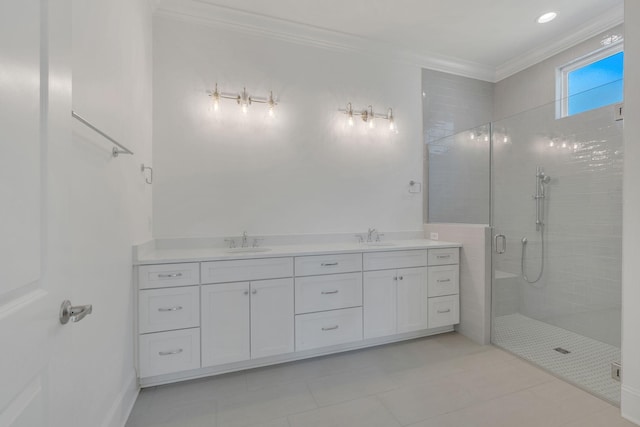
x: 378, y: 235
x: 232, y: 243
x: 256, y: 242
x: 360, y: 238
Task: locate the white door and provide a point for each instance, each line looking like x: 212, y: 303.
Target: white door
x: 412, y: 299
x: 225, y: 323
x: 272, y: 317
x: 379, y: 303
x: 34, y: 128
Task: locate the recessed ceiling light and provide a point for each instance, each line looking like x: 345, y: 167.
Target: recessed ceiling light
x: 546, y: 17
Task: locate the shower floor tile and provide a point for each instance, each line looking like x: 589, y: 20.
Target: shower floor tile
x: 587, y: 365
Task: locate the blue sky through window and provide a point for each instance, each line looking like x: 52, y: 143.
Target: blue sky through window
x: 596, y: 85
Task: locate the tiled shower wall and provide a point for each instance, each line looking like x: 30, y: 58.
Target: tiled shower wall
x: 451, y: 104
x: 581, y: 286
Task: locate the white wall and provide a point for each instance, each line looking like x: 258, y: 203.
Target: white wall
x: 303, y: 172
x: 631, y: 239
x: 108, y: 201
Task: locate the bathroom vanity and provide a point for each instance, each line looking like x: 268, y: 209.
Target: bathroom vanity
x: 209, y: 311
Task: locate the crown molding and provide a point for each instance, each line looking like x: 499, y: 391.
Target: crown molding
x: 264, y: 26
x: 606, y: 21
x: 293, y: 32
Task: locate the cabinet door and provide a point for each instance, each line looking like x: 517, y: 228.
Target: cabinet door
x: 225, y: 323
x: 412, y: 299
x: 272, y: 317
x: 379, y: 303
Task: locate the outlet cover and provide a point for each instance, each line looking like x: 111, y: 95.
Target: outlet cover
x: 433, y: 236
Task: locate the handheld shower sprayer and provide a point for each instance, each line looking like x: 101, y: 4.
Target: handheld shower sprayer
x: 539, y: 197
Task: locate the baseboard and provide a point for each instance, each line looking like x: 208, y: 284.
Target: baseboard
x: 630, y: 404
x: 123, y: 404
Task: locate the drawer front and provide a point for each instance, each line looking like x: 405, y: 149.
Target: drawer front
x: 394, y: 259
x: 444, y: 311
x: 168, y: 275
x: 328, y: 328
x: 246, y: 270
x: 318, y: 293
x: 444, y: 280
x: 167, y: 352
x: 328, y: 264
x: 444, y: 256
x: 167, y: 309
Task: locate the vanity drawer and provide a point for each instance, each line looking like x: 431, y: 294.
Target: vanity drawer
x: 394, y: 259
x: 246, y: 270
x: 168, y: 275
x: 167, y: 352
x: 444, y: 311
x: 444, y: 256
x: 328, y: 264
x: 443, y: 280
x: 167, y: 309
x: 328, y: 328
x: 334, y: 291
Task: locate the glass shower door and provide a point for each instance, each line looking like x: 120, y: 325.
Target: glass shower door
x: 557, y: 223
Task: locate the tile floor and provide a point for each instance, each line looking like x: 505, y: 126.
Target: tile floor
x: 441, y: 381
x: 588, y: 364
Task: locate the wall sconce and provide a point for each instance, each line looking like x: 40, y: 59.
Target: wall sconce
x: 368, y: 116
x: 243, y: 99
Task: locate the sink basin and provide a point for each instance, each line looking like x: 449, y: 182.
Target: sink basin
x: 379, y: 244
x: 247, y: 250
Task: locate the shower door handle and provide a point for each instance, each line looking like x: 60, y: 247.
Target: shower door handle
x: 503, y: 247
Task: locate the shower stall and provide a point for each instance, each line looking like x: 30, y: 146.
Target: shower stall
x: 555, y: 209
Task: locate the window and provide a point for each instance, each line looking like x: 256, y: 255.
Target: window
x: 591, y: 82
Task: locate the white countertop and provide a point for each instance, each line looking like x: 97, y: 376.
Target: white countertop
x: 161, y: 256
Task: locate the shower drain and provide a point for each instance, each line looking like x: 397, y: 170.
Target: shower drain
x: 562, y: 350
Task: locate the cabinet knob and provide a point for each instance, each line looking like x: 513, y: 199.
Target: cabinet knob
x: 255, y: 291
x: 246, y: 292
x: 401, y: 278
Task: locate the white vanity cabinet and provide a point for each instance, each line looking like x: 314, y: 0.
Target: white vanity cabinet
x: 250, y: 313
x: 395, y: 299
x: 246, y: 320
x: 168, y: 318
x: 220, y: 315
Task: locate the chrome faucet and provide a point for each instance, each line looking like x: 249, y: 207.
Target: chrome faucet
x: 245, y: 239
x: 370, y: 233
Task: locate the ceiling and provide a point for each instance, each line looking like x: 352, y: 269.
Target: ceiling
x: 488, y: 33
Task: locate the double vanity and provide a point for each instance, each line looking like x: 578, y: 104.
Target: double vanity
x: 214, y: 310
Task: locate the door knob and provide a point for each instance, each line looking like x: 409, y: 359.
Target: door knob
x: 75, y: 313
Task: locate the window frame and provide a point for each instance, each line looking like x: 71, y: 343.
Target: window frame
x: 562, y: 74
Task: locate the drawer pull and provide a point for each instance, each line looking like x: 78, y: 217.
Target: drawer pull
x: 444, y: 280
x: 169, y: 353
x: 331, y: 328
x: 443, y: 256
x: 444, y: 311
x: 165, y: 309
x: 329, y: 292
x: 329, y: 264
x: 170, y: 275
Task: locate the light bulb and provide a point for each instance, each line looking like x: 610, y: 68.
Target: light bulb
x: 216, y: 105
x: 472, y: 136
x: 551, y: 144
x: 371, y: 125
x: 350, y: 120
x: 244, y: 108
x: 392, y: 125
x: 271, y: 112
x: 505, y: 140
x: 486, y: 138
x: 575, y: 146
x: 564, y: 145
